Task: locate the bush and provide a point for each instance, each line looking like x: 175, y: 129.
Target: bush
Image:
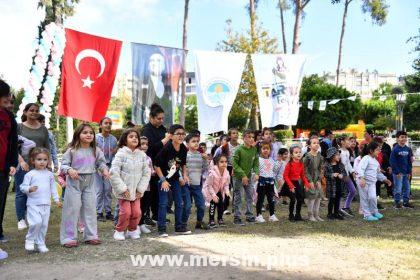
x: 283, y: 134
x: 414, y: 135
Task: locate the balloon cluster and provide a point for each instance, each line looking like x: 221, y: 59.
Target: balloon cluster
x: 51, y: 43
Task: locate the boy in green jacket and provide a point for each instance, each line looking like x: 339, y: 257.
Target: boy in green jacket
x: 245, y: 160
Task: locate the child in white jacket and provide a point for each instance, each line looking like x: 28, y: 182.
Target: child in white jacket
x: 130, y: 176
x: 368, y: 172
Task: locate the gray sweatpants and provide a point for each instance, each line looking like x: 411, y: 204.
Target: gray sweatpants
x: 238, y: 190
x: 38, y: 217
x: 368, y: 200
x: 79, y: 200
x: 103, y: 194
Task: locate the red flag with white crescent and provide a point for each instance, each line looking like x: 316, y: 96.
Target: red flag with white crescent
x: 87, y: 76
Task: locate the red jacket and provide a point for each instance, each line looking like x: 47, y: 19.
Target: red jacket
x: 293, y: 172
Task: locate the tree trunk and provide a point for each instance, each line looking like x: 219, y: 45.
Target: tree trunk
x: 184, y: 71
x: 283, y: 31
x: 254, y: 113
x: 296, y: 29
x: 340, y: 47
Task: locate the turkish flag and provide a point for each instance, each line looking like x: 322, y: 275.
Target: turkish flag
x: 87, y: 75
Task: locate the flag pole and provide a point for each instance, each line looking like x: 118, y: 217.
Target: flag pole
x: 70, y: 131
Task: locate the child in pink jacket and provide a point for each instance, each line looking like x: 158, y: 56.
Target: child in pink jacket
x: 216, y: 188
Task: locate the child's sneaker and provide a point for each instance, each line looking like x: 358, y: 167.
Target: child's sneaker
x: 182, y: 231
x: 238, y: 222
x: 3, y: 254
x: 163, y: 233
x: 291, y: 217
x: 371, y: 218
x: 312, y: 218
x: 250, y: 219
x: 319, y: 219
x: 22, y: 224
x: 119, y: 235
x: 201, y: 225
x: 298, y: 218
x: 100, y: 217
x: 408, y: 205
x: 378, y: 216
x: 221, y: 223
x: 135, y: 234
x: 226, y: 212
x: 212, y: 224
x: 260, y: 219
x: 144, y: 229
x: 29, y: 245
x: 273, y: 218
x: 42, y: 249
x: 345, y: 211
x: 398, y: 206
x: 109, y: 216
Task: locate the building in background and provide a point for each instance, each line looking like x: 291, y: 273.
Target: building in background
x: 363, y: 83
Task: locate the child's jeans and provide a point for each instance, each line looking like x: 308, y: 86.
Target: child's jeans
x: 401, y: 186
x: 163, y: 204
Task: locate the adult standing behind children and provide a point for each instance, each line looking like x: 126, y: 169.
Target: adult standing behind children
x: 8, y: 152
x: 157, y: 136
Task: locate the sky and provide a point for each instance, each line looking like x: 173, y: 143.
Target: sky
x: 366, y: 46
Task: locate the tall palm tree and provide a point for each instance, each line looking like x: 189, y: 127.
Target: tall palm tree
x: 378, y: 10
x: 283, y: 6
x: 184, y: 72
x: 299, y: 6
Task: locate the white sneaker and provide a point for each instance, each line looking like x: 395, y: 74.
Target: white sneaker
x: 29, y: 245
x: 226, y: 212
x: 22, y: 224
x: 144, y: 229
x: 312, y: 219
x: 273, y: 218
x: 119, y: 235
x: 42, y: 249
x: 319, y: 219
x: 135, y: 234
x: 259, y: 219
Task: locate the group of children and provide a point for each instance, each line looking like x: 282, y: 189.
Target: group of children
x: 255, y: 169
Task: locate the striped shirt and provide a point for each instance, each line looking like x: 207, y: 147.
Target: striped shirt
x: 196, y: 165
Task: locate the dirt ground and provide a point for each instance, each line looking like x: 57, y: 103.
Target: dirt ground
x: 351, y: 249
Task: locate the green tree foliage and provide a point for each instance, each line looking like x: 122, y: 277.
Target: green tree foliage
x: 247, y: 97
x: 191, y: 114
x: 336, y: 116
x: 412, y: 112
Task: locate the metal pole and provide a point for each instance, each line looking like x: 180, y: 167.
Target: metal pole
x: 70, y: 132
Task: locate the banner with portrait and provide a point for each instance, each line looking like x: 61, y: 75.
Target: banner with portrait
x: 218, y: 75
x: 156, y: 75
x: 278, y: 78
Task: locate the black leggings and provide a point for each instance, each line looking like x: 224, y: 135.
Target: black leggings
x: 297, y: 197
x: 220, y: 209
x: 227, y: 198
x: 263, y: 191
x: 145, y: 202
x: 334, y: 202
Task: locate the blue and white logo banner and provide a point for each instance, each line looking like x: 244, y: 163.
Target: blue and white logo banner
x: 218, y: 75
x: 278, y: 78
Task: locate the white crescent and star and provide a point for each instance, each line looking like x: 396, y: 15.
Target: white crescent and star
x: 87, y: 82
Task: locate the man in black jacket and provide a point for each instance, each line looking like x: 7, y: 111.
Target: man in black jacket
x: 8, y: 149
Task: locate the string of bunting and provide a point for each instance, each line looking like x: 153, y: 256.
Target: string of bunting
x: 323, y: 103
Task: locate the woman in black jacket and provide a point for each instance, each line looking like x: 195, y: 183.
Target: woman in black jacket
x: 157, y: 136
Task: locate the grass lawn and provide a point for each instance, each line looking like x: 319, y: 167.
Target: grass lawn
x: 350, y: 249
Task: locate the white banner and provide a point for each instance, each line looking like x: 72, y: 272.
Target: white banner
x: 310, y: 105
x: 218, y: 75
x: 322, y: 105
x: 278, y: 78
